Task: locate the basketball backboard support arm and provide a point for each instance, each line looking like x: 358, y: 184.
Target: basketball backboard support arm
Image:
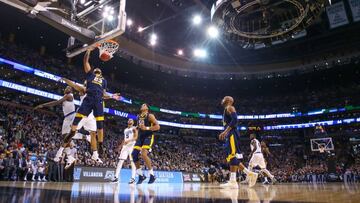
x: 120, y: 29
x: 84, y: 34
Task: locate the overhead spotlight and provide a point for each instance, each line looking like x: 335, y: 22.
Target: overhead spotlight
x: 129, y: 22
x: 152, y: 42
x: 82, y: 1
x: 153, y: 36
x: 153, y: 39
x: 213, y: 32
x: 197, y: 20
x: 140, y: 29
x: 180, y: 52
x: 201, y: 53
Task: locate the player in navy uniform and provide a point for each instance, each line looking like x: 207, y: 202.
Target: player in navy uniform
x: 95, y: 92
x: 231, y: 136
x: 147, y: 124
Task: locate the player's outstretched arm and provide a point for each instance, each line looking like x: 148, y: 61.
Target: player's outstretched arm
x: 67, y: 97
x: 72, y: 84
x: 87, y: 66
x: 115, y: 96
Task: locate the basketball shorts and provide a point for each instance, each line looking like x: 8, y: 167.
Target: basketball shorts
x: 66, y: 126
x: 144, y: 142
x: 126, y: 152
x: 89, y: 123
x: 91, y: 104
x: 257, y: 159
x: 232, y: 146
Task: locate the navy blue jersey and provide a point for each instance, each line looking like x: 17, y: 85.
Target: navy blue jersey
x: 227, y: 119
x: 95, y: 85
x: 144, y: 119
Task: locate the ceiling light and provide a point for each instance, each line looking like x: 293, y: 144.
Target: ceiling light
x: 140, y: 29
x: 201, y: 53
x: 180, y: 52
x: 196, y: 19
x: 213, y: 32
x: 129, y: 22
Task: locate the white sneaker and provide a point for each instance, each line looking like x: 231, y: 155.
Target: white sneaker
x: 88, y: 138
x: 69, y: 161
x: 39, y: 178
x: 230, y: 184
x: 44, y: 179
x: 25, y: 179
x: 252, y: 178
x: 33, y: 178
x: 96, y: 158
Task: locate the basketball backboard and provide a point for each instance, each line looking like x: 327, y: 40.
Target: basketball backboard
x: 87, y: 22
x: 319, y: 144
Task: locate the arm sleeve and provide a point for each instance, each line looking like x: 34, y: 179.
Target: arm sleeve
x: 234, y: 120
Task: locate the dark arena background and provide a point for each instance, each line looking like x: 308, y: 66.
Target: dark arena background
x: 219, y: 101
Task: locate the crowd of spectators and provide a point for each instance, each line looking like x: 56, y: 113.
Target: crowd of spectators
x: 29, y: 140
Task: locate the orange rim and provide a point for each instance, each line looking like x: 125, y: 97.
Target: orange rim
x: 109, y: 40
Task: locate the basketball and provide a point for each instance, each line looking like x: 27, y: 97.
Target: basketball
x: 105, y: 56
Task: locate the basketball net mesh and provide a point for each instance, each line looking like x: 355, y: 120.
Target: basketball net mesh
x: 108, y: 47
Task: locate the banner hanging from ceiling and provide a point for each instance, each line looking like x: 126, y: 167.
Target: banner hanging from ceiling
x: 337, y: 15
x: 355, y: 9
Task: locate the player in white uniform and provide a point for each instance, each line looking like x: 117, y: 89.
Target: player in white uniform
x: 68, y: 107
x: 130, y: 137
x: 257, y: 157
x: 88, y: 123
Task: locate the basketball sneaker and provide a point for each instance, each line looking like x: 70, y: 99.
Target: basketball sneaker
x: 115, y: 180
x: 96, y: 158
x: 69, y: 161
x: 230, y: 184
x: 141, y: 179
x: 132, y: 181
x: 152, y: 179
x: 252, y: 178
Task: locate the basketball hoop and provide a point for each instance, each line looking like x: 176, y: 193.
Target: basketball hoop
x: 107, y: 49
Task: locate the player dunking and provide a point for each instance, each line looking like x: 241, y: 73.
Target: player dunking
x: 231, y: 136
x: 88, y: 123
x: 257, y: 157
x: 147, y: 124
x: 130, y: 137
x: 95, y: 91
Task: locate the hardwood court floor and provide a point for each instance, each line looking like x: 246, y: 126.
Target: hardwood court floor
x: 14, y: 192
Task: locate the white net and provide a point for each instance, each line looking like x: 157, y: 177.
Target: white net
x: 108, y: 47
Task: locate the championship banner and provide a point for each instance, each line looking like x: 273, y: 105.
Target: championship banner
x: 355, y: 9
x: 337, y: 15
x: 98, y: 174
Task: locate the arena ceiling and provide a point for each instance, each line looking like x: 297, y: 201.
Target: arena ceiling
x: 163, y: 33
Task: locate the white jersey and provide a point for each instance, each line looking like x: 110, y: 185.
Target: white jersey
x: 258, y: 146
x: 129, y: 134
x: 68, y: 107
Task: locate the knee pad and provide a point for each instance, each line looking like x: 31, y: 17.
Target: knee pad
x: 234, y: 162
x: 135, y: 155
x: 100, y: 124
